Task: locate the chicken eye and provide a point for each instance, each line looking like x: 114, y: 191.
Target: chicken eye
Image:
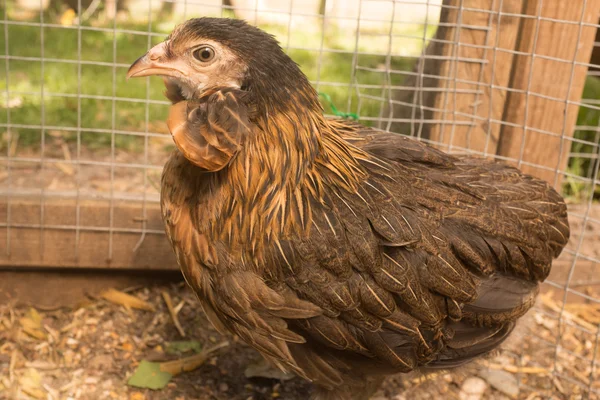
x: 204, y: 54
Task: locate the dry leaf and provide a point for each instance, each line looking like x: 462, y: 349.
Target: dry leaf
x: 32, y: 324
x: 31, y: 383
x: 35, y: 318
x: 137, y: 396
x: 126, y: 300
x: 189, y: 363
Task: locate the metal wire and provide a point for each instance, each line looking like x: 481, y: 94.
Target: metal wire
x: 8, y: 135
x: 387, y: 82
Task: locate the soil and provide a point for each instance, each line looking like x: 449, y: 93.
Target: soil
x: 90, y: 351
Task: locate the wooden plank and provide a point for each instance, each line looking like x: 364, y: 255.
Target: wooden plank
x: 52, y: 288
x: 468, y: 62
x: 491, y: 76
x: 56, y: 245
x: 557, y: 78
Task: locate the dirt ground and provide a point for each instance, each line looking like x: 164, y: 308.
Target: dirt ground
x: 90, y: 351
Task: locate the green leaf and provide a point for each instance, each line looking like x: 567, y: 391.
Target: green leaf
x: 148, y: 375
x: 183, y: 346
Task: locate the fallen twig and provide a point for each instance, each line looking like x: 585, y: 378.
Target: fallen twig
x: 558, y: 385
x: 173, y: 313
x: 513, y: 369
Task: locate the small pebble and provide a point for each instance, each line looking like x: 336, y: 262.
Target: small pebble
x: 473, y: 388
x: 223, y: 387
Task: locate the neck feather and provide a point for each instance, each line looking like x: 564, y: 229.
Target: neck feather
x: 284, y: 171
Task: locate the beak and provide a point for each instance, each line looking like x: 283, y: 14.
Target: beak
x: 155, y: 62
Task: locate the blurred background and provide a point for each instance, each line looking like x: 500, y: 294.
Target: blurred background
x: 65, y: 93
x: 85, y: 269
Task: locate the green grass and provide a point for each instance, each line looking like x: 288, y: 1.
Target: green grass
x: 27, y: 78
x: 582, y: 166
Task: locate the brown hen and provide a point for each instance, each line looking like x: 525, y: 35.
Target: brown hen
x: 339, y: 252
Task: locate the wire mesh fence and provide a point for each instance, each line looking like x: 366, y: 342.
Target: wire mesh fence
x: 512, y: 79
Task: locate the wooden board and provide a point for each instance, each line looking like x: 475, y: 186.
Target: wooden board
x: 56, y: 243
x: 541, y: 85
x: 49, y: 288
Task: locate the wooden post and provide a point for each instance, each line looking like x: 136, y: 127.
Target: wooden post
x: 478, y: 72
x: 595, y: 58
x: 485, y: 91
x: 466, y: 72
x: 538, y: 120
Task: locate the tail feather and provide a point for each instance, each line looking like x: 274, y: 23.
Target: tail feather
x: 470, y: 343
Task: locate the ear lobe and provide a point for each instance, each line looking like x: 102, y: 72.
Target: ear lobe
x: 210, y: 133
x: 172, y: 91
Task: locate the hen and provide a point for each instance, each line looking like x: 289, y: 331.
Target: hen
x: 339, y: 252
